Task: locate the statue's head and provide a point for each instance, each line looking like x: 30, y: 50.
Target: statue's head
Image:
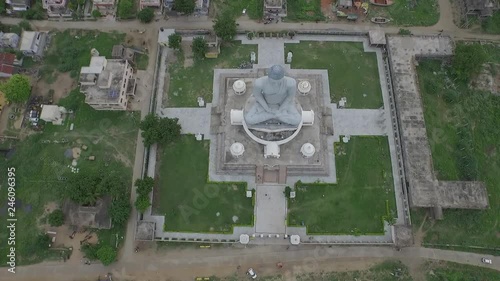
x: 276, y: 72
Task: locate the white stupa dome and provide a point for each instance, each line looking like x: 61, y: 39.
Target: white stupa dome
x: 307, y: 150
x: 239, y: 87
x: 237, y: 149
x: 304, y: 87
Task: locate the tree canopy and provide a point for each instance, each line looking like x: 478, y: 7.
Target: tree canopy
x: 225, y: 27
x: 199, y: 47
x: 17, y: 89
x: 159, y: 130
x: 96, y: 14
x: 146, y: 15
x: 120, y: 210
x: 125, y: 9
x: 142, y: 203
x: 184, y: 6
x: 56, y: 218
x: 468, y: 61
x: 86, y: 188
x: 144, y: 186
x: 106, y: 254
x: 174, y: 41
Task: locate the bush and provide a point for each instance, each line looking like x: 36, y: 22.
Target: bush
x: 184, y: 6
x: 144, y: 186
x: 174, y: 41
x: 404, y: 32
x: 142, y: 203
x: 146, y: 15
x: 96, y: 14
x: 159, y: 130
x: 56, y: 218
x: 106, y: 254
x: 36, y: 12
x: 199, y: 47
x: 125, y: 9
x: 120, y: 210
x: 287, y: 191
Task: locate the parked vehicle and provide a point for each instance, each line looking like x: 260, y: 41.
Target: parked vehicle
x: 486, y: 261
x: 252, y: 273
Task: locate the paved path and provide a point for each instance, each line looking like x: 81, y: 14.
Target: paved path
x: 270, y: 209
x: 359, y: 122
x: 173, y: 263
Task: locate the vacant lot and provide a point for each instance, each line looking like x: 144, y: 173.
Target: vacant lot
x: 352, y: 73
x: 190, y: 81
x: 402, y: 13
x: 254, y: 8
x: 304, y: 10
x: 439, y: 271
x: 363, y: 196
x: 41, y: 166
x: 191, y: 204
x: 454, y: 115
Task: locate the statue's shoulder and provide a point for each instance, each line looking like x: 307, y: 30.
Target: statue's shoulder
x: 259, y: 82
x: 290, y: 81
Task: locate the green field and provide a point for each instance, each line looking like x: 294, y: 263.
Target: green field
x: 141, y: 61
x: 352, y: 73
x: 189, y: 83
x: 70, y: 50
x: 110, y: 136
x: 456, y: 115
x: 443, y: 271
x: 234, y: 8
x: 188, y: 202
x: 425, y: 13
x: 304, y: 10
x: 363, y: 196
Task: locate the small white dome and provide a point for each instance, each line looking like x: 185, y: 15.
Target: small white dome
x: 307, y: 150
x: 239, y: 87
x: 237, y: 149
x: 304, y: 87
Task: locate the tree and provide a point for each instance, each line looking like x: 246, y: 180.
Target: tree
x: 159, y: 130
x: 87, y: 188
x: 96, y: 14
x: 142, y: 203
x: 287, y: 191
x: 225, y: 27
x: 17, y: 89
x: 184, y: 6
x: 106, y: 254
x: 174, y: 41
x: 125, y: 9
x: 36, y: 12
x: 199, y: 47
x: 144, y: 186
x: 468, y: 61
x: 56, y: 218
x: 146, y: 15
x: 120, y: 210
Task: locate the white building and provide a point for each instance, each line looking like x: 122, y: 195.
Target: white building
x: 107, y: 83
x: 33, y: 43
x: 9, y: 40
x: 53, y: 114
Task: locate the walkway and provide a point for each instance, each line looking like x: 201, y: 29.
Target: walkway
x: 270, y: 209
x: 359, y: 122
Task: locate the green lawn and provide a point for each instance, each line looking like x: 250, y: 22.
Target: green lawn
x: 188, y: 202
x: 456, y: 115
x: 425, y: 13
x: 184, y: 93
x: 352, y: 73
x: 141, y: 61
x: 363, y: 196
x: 110, y: 136
x: 304, y: 10
x: 443, y: 271
x: 254, y: 8
x: 70, y: 50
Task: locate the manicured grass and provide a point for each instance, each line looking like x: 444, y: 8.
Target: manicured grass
x: 304, y: 10
x: 234, y: 8
x: 110, y: 136
x: 188, y: 202
x: 439, y: 271
x: 70, y: 50
x: 478, y: 113
x: 363, y: 196
x: 386, y: 271
x: 141, y: 61
x: 425, y: 13
x: 183, y: 92
x: 352, y: 73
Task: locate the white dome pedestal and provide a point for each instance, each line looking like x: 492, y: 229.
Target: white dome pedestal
x: 307, y: 150
x: 239, y: 87
x: 237, y: 149
x: 304, y: 87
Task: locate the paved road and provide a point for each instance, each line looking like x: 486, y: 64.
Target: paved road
x: 186, y: 264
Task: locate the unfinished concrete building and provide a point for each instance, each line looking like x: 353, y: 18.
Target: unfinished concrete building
x: 424, y: 189
x: 275, y: 7
x: 107, y: 84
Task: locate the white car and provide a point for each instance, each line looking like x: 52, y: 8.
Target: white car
x: 251, y: 273
x: 486, y: 261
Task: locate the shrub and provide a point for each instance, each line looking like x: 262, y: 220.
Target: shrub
x: 120, y: 210
x: 225, y: 27
x: 106, y: 254
x: 146, y: 15
x: 56, y: 218
x: 403, y: 31
x: 125, y: 9
x: 184, y: 6
x: 174, y: 41
x: 199, y: 47
x: 96, y: 14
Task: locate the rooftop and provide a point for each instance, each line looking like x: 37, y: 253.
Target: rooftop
x: 27, y: 38
x: 273, y: 3
x: 145, y: 230
x: 93, y: 216
x: 425, y: 190
x: 6, y: 63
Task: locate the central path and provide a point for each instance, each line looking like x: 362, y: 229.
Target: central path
x: 270, y: 209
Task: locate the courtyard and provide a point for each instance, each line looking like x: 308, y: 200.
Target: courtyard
x: 352, y: 72
x: 359, y: 202
x: 190, y: 203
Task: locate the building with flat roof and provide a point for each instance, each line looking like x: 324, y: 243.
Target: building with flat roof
x: 7, y: 67
x: 107, y: 83
x: 9, y: 40
x: 105, y: 7
x: 17, y: 6
x: 150, y: 3
x: 33, y: 43
x: 56, y: 8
